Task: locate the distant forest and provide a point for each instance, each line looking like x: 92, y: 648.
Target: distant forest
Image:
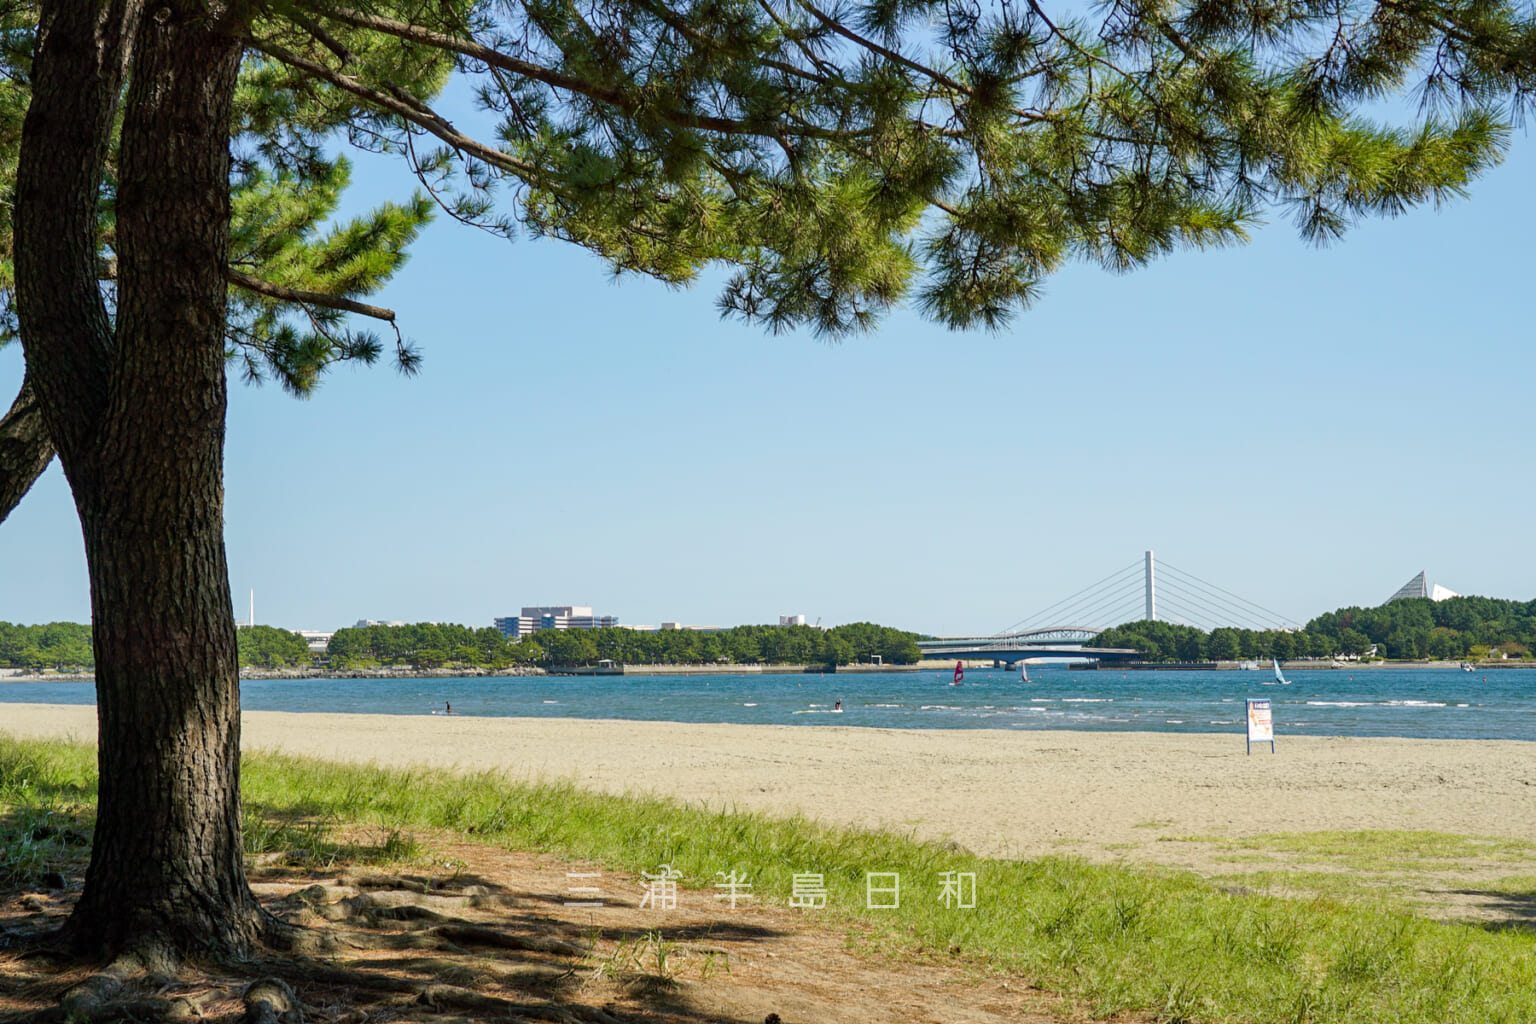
x: 1452, y: 630
x: 1414, y: 628
x: 67, y: 645
x: 56, y: 645
x: 429, y: 646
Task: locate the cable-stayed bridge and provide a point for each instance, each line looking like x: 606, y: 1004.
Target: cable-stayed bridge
x: 1146, y: 589
x: 1009, y: 648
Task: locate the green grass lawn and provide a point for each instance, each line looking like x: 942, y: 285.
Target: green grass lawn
x: 1116, y: 938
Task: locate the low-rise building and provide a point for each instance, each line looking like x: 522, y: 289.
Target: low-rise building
x: 565, y: 616
x: 319, y: 640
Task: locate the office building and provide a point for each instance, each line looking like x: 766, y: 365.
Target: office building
x: 568, y: 616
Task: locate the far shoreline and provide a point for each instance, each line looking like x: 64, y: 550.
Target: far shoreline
x: 513, y: 672
x: 926, y: 665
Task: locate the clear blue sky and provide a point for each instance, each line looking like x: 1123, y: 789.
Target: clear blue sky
x: 1306, y: 428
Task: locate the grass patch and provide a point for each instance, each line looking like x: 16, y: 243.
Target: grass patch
x: 47, y: 791
x: 1339, y: 887
x: 1177, y: 947
x: 325, y: 844
x: 1382, y: 850
x: 1244, y: 858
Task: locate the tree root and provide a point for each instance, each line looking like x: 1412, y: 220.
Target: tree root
x: 271, y: 1001
x: 482, y: 935
x: 128, y: 1011
x: 340, y: 977
x: 384, y: 882
x: 452, y: 997
x: 102, y: 986
x: 421, y: 927
x: 438, y: 995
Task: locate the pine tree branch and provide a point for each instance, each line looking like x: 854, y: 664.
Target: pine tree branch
x: 826, y: 68
x: 306, y: 298
x: 1516, y: 59
x: 889, y: 54
x: 76, y: 84
x: 1077, y: 47
x: 25, y: 448
x: 414, y: 112
x: 321, y: 36
x: 681, y: 26
x: 606, y: 95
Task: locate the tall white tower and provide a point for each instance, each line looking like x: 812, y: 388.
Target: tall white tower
x: 1151, y: 590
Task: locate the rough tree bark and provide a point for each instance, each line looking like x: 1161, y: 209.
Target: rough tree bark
x: 25, y: 449
x: 135, y: 403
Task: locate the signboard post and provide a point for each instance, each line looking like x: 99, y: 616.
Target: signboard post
x: 1261, y: 725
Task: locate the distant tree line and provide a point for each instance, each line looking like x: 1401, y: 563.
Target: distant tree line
x: 57, y: 645
x: 742, y: 645
x: 1168, y: 641
x: 1456, y: 628
x: 425, y: 645
x: 270, y: 647
x: 67, y: 646
x: 1413, y: 628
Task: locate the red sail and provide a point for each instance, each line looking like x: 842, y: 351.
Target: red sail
x: 959, y: 671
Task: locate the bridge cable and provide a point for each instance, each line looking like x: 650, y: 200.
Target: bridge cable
x: 1274, y: 615
x: 1239, y: 614
x: 1125, y: 597
x: 1083, y: 612
x: 1088, y: 595
x: 1051, y: 609
x: 1194, y: 580
x: 1199, y: 617
x: 1128, y: 613
x: 1223, y: 612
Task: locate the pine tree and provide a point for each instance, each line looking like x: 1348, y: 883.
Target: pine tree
x: 170, y: 177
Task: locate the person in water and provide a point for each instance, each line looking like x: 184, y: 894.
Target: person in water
x: 839, y: 705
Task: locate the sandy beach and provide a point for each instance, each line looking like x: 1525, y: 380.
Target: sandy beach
x: 1101, y: 795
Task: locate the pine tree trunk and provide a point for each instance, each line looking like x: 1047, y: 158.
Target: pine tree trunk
x: 135, y: 403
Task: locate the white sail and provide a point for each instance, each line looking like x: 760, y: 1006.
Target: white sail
x: 1279, y: 677
x: 1023, y: 672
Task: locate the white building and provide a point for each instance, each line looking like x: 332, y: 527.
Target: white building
x: 319, y: 640
x: 564, y: 616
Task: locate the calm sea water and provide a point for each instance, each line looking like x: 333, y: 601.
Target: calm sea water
x: 1429, y: 703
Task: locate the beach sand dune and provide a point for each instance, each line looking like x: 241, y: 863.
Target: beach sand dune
x: 1106, y: 796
